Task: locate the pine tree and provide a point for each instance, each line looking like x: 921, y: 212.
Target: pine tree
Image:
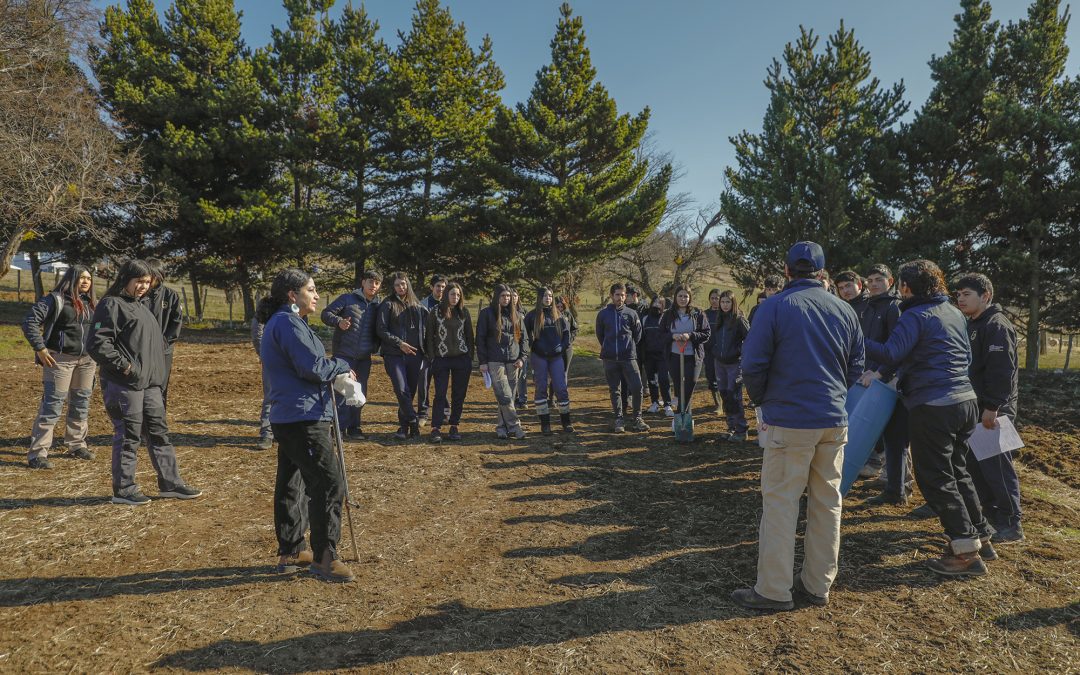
x: 570, y: 168
x: 443, y: 97
x: 812, y: 171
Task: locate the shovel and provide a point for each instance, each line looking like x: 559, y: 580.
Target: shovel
x: 349, y: 503
x: 683, y: 423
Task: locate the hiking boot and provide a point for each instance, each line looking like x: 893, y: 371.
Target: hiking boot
x: 716, y: 402
x: 618, y: 427
x: 815, y: 600
x: 669, y: 411
x: 520, y: 434
x: 39, y: 463
x: 986, y: 551
x: 436, y: 436
x: 265, y: 443
x: 890, y: 498
x: 736, y: 437
x: 453, y: 435
x: 135, y: 498
x: 414, y: 429
x: 355, y: 434
x: 749, y: 598
x: 639, y: 425
x: 1009, y: 534
x: 654, y: 408
x: 293, y: 562
x: 80, y: 453
x: 567, y: 427
x: 958, y: 564
x: 400, y: 434
x: 924, y: 511
x: 331, y: 569
x: 180, y: 492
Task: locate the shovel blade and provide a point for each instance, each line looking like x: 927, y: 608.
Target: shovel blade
x: 683, y: 425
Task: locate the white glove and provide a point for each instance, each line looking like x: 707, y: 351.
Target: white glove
x: 350, y: 390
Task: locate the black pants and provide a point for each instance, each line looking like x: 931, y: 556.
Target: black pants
x: 308, y: 483
x: 656, y: 376
x: 939, y: 452
x: 692, y: 368
x: 451, y: 372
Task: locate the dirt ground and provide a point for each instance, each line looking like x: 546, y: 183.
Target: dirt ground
x: 598, y: 553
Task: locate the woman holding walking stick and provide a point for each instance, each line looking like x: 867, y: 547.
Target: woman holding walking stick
x: 309, y: 479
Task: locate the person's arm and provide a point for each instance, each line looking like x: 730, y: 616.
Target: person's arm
x: 856, y: 355
x: 331, y: 316
x: 308, y: 363
x: 32, y: 322
x: 101, y: 342
x: 757, y: 355
x: 999, y: 363
x: 702, y: 330
x: 470, y: 338
x: 635, y: 328
x: 429, y: 335
x: 900, y: 343
x: 565, y: 341
x: 600, y: 329
x: 573, y: 326
x: 175, y: 320
x: 524, y: 344
x: 382, y: 326
x: 256, y: 336
x: 481, y: 338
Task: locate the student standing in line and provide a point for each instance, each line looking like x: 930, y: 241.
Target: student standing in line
x: 567, y: 313
x: 993, y: 373
x: 266, y: 431
x: 712, y: 315
x: 654, y: 347
x: 931, y: 349
x: 57, y: 327
x: 727, y: 343
x: 688, y: 331
x: 126, y: 341
x: 309, y: 487
x: 773, y: 284
x: 521, y: 389
x: 549, y: 340
x: 450, y: 347
x: 423, y: 391
x: 164, y: 304
x: 346, y: 316
x: 618, y: 330
x: 400, y: 327
x: 502, y: 349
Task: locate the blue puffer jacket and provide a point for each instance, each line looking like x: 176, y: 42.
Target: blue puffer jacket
x: 931, y: 347
x: 618, y: 331
x: 353, y: 305
x: 296, y: 370
x: 804, y: 351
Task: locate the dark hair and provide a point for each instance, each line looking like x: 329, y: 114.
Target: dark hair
x: 848, y: 275
x: 881, y: 269
x: 132, y: 269
x: 735, y: 312
x: 68, y: 286
x: 631, y: 288
x: 397, y: 305
x: 657, y: 311
x: 979, y: 283
x: 774, y: 281
x: 446, y: 310
x: 675, y: 299
x: 515, y: 319
x: 436, y: 278
x: 538, y: 322
x: 618, y: 286
x: 923, y: 278
x: 157, y: 271
x: 372, y: 275
x: 289, y: 279
x: 716, y: 292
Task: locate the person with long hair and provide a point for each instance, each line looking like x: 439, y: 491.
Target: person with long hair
x: 687, y: 331
x: 521, y: 389
x: 654, y: 348
x: 712, y: 314
x: 449, y: 345
x: 400, y: 327
x: 127, y: 342
x: 309, y: 486
x: 502, y: 348
x: 931, y: 348
x: 727, y: 343
x: 549, y: 340
x: 57, y: 327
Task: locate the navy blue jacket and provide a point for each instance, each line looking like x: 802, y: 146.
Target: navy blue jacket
x: 802, y: 354
x: 994, y: 362
x: 552, y: 340
x: 931, y: 348
x: 618, y: 331
x: 296, y: 370
x: 352, y: 305
x: 654, y: 342
x: 728, y: 337
x: 699, y: 337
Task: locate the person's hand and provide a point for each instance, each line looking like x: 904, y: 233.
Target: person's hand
x: 352, y: 375
x: 519, y: 364
x: 483, y: 368
x: 868, y: 377
x: 407, y: 349
x: 344, y: 324
x: 46, y: 358
x: 989, y: 419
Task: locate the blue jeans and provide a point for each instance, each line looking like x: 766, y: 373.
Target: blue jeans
x: 551, y: 368
x: 404, y: 373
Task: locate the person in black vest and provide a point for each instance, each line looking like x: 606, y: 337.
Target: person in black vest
x: 993, y: 373
x: 346, y: 316
x: 57, y: 327
x: 549, y: 341
x: 126, y: 341
x: 688, y: 331
x: 400, y: 327
x: 450, y: 346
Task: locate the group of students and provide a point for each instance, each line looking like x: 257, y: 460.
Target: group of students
x: 130, y: 335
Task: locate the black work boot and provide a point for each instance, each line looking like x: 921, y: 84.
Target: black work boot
x: 545, y: 424
x: 566, y: 426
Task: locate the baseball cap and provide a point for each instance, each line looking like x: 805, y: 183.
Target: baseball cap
x: 808, y: 251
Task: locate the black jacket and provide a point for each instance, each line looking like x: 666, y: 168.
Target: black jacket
x: 994, y: 361
x: 164, y: 304
x: 877, y: 322
x: 126, y: 341
x: 861, y: 305
x: 698, y: 337
x: 654, y: 342
x: 727, y: 339
x: 52, y: 323
x: 408, y: 326
x: 495, y: 340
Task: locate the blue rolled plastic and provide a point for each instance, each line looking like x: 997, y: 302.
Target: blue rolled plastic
x: 869, y: 410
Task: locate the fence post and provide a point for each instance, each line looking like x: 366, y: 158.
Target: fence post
x: 18, y: 284
x: 187, y: 314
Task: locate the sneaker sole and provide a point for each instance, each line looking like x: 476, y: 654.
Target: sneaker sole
x: 129, y: 502
x: 177, y: 495
x: 330, y: 579
x: 963, y: 573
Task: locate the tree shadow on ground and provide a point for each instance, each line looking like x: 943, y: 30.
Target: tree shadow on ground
x: 16, y: 503
x: 1069, y: 615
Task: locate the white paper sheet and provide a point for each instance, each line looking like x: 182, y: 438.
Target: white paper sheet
x: 986, y: 443
x: 487, y: 380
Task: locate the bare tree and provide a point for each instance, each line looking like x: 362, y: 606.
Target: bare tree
x: 63, y: 170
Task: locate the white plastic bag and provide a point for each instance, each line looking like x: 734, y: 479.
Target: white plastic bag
x: 350, y: 390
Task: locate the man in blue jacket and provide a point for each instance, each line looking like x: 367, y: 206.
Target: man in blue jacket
x: 618, y: 330
x: 804, y: 351
x: 351, y: 342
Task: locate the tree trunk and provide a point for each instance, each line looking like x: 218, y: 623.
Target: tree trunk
x: 198, y: 298
x: 249, y: 301
x: 1068, y: 354
x: 35, y: 273
x: 1032, y: 361
x: 11, y: 247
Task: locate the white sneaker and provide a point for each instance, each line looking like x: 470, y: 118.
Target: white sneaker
x: 669, y: 411
x: 653, y: 409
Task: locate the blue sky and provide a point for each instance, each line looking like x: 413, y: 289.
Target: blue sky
x: 698, y: 64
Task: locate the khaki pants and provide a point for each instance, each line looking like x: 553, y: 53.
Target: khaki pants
x: 504, y: 382
x: 71, y: 380
x: 798, y: 459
